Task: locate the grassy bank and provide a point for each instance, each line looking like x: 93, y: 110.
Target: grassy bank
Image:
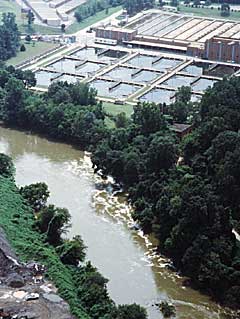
x: 17, y: 220
x: 114, y: 109
x: 76, y: 26
x: 208, y: 12
x: 32, y: 50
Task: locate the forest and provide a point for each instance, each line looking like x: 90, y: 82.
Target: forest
x: 184, y: 191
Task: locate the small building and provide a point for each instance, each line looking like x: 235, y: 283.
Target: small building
x: 115, y: 33
x: 222, y: 49
x: 181, y: 129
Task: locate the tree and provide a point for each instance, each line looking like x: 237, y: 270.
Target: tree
x: 174, y: 3
x: 30, y: 17
x: 22, y: 48
x: 148, y: 117
x: 121, y: 120
x: 63, y: 27
x: 58, y: 225
x: 29, y: 78
x: 28, y: 38
x: 167, y: 309
x: 133, y: 311
x: 14, y: 100
x: 36, y: 195
x: 225, y: 9
x: 72, y: 251
x: 9, y: 36
x: 54, y: 221
x: 183, y: 94
x: 161, y: 153
x: 6, y: 166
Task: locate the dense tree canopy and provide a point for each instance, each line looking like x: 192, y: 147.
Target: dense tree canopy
x: 9, y: 36
x: 190, y: 205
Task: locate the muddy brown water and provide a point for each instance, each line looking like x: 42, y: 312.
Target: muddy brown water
x: 126, y: 257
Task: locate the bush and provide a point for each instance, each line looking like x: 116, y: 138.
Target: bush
x: 22, y: 48
x: 167, y: 309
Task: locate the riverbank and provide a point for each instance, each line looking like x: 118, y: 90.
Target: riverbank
x: 129, y: 259
x: 81, y: 285
x: 24, y: 290
x: 17, y: 220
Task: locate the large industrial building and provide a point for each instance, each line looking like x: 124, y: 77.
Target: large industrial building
x: 222, y: 49
x: 209, y: 38
x: 53, y: 12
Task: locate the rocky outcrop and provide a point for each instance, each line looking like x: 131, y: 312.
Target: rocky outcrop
x: 24, y: 293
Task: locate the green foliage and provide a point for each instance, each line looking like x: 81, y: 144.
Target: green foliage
x: 30, y: 17
x: 22, y: 48
x: 90, y: 8
x: 190, y: 207
x: 36, y: 195
x: 72, y: 251
x: 167, y: 310
x: 9, y: 36
x: 134, y: 6
x: 133, y: 311
x: 57, y: 225
x: 6, y: 166
x: 30, y: 245
x: 83, y: 287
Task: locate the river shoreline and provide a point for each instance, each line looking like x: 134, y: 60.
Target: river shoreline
x: 153, y: 262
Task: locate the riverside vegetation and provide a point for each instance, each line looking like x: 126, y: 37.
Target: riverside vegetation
x: 191, y: 207
x: 34, y: 230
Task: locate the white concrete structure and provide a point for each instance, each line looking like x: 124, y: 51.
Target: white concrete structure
x: 54, y: 12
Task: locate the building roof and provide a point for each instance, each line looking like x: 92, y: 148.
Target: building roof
x: 116, y: 29
x: 157, y: 45
x: 179, y: 127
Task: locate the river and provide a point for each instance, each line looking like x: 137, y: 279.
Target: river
x: 126, y: 257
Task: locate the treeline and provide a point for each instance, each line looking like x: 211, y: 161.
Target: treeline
x: 40, y: 239
x: 68, y: 112
x: 91, y: 7
x: 134, y: 6
x: 186, y: 192
x: 9, y: 36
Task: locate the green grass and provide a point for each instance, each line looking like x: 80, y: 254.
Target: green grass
x: 17, y: 219
x: 31, y: 51
x: 207, y: 12
x: 76, y: 26
x: 114, y: 109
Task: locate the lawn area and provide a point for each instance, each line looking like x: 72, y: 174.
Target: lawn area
x: 76, y: 26
x: 31, y: 51
x: 114, y: 109
x: 207, y: 12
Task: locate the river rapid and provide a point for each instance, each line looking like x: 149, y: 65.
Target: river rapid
x: 126, y: 257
